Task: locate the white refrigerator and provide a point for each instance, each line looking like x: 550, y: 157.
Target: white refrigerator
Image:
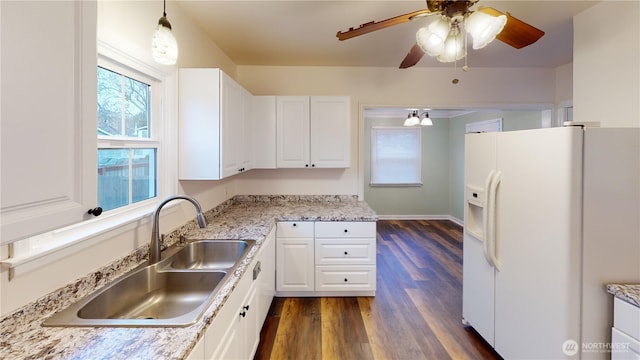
x: 551, y: 216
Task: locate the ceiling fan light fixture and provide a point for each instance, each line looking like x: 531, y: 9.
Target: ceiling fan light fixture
x: 164, y: 47
x: 431, y: 38
x: 453, y: 46
x: 484, y: 27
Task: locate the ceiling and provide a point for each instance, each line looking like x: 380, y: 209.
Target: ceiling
x: 303, y: 32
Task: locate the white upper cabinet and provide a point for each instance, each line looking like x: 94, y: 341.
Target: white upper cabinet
x: 263, y: 128
x: 48, y: 145
x: 313, y: 132
x: 330, y: 131
x: 213, y: 140
x: 292, y: 132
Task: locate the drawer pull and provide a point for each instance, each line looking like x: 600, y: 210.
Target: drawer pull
x: 345, y: 230
x: 345, y: 280
x: 246, y: 307
x: 243, y: 314
x: 294, y: 224
x: 346, y: 253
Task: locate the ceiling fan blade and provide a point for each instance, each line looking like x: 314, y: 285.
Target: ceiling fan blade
x: 516, y: 32
x: 373, y: 25
x: 412, y: 58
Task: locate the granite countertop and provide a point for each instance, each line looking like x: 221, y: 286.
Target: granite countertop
x: 243, y: 217
x: 627, y: 292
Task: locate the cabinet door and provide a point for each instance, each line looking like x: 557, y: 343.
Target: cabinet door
x: 245, y: 142
x: 199, y: 124
x: 231, y: 126
x: 266, y: 281
x: 292, y: 131
x: 295, y: 264
x: 249, y: 324
x: 48, y: 141
x: 330, y: 131
x: 263, y: 126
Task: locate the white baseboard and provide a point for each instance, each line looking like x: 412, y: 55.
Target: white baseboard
x: 422, y: 217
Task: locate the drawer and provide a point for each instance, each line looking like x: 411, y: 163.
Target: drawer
x: 626, y: 318
x: 345, y: 251
x: 623, y: 346
x: 294, y: 229
x: 345, y: 278
x: 345, y: 229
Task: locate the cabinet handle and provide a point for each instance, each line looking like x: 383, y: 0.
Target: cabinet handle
x: 346, y: 253
x: 345, y: 230
x: 345, y: 280
x: 95, y: 211
x: 313, y: 165
x: 246, y: 307
x: 294, y: 224
x: 306, y: 165
x: 243, y: 314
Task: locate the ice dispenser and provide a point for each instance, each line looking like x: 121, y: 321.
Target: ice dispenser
x: 474, y: 211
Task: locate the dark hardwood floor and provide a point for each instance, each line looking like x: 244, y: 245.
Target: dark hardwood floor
x: 416, y: 313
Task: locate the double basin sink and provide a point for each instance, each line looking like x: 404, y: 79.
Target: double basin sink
x: 173, y: 292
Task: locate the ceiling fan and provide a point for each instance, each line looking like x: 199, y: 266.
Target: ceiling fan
x: 445, y: 37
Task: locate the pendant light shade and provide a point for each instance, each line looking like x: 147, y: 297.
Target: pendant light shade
x: 484, y: 27
x: 426, y: 121
x: 164, y: 46
x: 412, y: 119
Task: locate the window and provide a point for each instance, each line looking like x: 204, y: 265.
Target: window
x: 127, y: 141
x: 396, y: 156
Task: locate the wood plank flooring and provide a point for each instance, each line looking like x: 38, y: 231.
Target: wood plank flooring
x: 416, y: 313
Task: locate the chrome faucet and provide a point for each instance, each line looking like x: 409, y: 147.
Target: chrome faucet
x: 154, y: 245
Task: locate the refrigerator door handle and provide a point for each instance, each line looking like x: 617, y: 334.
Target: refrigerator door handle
x: 486, y: 218
x: 492, y: 243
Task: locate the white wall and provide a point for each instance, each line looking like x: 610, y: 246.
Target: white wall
x: 606, y: 54
x: 564, y: 84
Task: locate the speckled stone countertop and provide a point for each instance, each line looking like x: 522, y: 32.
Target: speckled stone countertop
x: 243, y: 217
x: 627, y: 292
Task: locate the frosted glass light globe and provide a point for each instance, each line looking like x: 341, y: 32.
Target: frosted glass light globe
x: 164, y: 46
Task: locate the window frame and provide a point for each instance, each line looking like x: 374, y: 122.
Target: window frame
x: 154, y: 141
x: 31, y: 253
x: 418, y: 159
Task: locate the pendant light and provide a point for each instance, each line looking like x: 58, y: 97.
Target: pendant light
x: 164, y: 46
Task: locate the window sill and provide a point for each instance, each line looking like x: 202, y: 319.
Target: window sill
x: 63, y: 242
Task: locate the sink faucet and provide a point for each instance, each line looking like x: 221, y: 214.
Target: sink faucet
x: 154, y: 245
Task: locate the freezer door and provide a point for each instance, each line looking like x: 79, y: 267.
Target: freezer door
x: 538, y: 230
x: 478, y: 275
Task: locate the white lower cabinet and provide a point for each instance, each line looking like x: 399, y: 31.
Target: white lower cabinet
x: 326, y: 258
x: 294, y: 257
x: 625, y: 334
x: 242, y: 336
x: 235, y: 331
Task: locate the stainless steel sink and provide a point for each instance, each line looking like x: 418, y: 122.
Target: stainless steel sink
x: 173, y: 292
x: 210, y: 254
